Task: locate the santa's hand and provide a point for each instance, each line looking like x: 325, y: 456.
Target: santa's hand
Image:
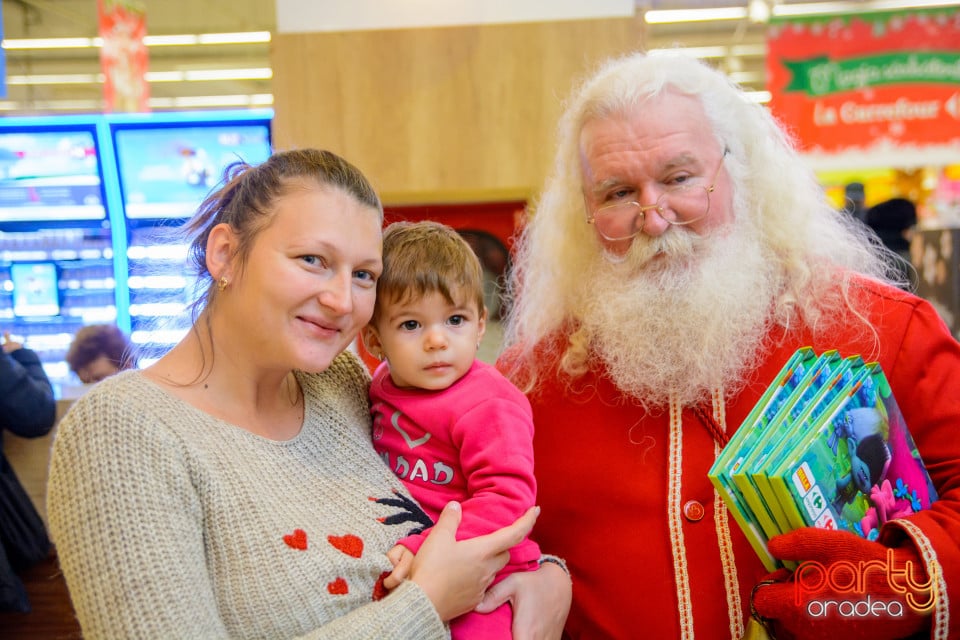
x: 846, y: 587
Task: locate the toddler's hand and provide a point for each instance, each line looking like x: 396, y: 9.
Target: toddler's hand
x: 401, y: 558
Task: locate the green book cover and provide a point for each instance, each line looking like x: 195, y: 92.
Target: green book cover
x: 839, y: 386
x: 730, y: 458
x: 787, y: 425
x: 759, y: 446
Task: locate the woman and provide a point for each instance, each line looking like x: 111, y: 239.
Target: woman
x: 230, y: 489
x: 98, y: 351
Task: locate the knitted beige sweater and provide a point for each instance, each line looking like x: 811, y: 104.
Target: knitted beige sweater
x: 170, y: 523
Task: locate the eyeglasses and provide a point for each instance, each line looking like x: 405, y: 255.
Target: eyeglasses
x: 681, y: 205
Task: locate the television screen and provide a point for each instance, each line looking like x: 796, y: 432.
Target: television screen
x: 35, y: 289
x: 167, y: 171
x: 51, y: 175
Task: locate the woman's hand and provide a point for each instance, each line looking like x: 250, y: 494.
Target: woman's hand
x: 540, y: 600
x: 455, y: 574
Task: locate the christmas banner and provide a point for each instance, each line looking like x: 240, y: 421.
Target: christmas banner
x: 867, y: 82
x: 123, y: 56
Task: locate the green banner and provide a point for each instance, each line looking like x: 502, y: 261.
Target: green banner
x: 822, y: 76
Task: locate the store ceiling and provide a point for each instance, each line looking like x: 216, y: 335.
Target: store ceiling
x: 743, y: 57
x: 78, y: 18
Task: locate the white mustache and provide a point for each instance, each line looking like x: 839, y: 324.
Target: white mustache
x: 675, y: 242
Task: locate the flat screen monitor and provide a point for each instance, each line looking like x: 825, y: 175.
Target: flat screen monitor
x: 50, y: 176
x: 36, y: 289
x: 166, y: 170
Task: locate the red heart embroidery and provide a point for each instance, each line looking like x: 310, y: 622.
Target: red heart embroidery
x: 297, y: 539
x: 338, y: 587
x: 348, y: 544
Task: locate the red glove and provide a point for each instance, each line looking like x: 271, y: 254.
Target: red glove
x: 845, y: 587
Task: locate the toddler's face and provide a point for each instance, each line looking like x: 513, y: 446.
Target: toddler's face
x: 429, y: 342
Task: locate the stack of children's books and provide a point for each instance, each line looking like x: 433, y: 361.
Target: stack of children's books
x: 825, y: 446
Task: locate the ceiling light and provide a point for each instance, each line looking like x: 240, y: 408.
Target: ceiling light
x: 663, y: 16
x: 758, y: 11
x: 666, y: 16
x: 11, y: 44
x: 201, y: 75
x: 760, y: 97
x: 738, y: 50
x: 746, y: 77
x: 247, y: 37
x: 183, y: 40
x: 59, y: 78
x: 170, y: 41
x: 164, y: 76
x: 254, y: 100
x: 195, y: 75
x: 831, y: 8
x: 694, y: 52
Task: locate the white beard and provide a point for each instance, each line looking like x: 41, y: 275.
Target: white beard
x: 681, y: 315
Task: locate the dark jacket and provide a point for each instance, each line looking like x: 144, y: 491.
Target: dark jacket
x: 28, y: 409
x: 27, y: 406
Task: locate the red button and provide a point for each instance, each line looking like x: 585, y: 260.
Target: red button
x: 693, y: 511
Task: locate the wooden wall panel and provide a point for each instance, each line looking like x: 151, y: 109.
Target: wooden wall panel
x: 453, y: 114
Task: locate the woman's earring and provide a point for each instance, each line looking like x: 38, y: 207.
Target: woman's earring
x: 222, y: 283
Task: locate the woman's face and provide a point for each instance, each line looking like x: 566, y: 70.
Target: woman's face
x: 309, y: 281
x: 97, y: 370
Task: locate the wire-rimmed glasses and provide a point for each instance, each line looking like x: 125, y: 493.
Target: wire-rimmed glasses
x: 681, y: 205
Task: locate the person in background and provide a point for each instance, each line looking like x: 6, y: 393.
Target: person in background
x: 230, y: 489
x: 98, y: 351
x: 679, y: 254
x: 450, y: 426
x: 27, y: 409
x: 855, y: 201
x: 894, y: 221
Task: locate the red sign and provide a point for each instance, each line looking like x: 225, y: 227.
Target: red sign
x: 871, y: 81
x: 123, y: 56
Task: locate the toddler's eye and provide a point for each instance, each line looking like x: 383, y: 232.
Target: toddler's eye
x: 409, y: 325
x: 456, y: 321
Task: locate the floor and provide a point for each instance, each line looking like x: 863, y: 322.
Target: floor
x: 52, y: 616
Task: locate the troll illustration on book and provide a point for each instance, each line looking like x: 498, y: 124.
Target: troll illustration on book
x: 881, y: 468
x: 863, y: 430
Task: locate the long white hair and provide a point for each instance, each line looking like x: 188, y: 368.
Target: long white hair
x: 816, y: 250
